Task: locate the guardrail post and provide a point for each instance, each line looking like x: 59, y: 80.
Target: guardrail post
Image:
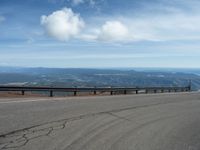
x: 75, y: 93
x: 125, y: 92
x: 51, y: 94
x: 95, y: 92
x: 190, y: 86
x: 111, y: 92
x: 188, y: 89
x: 155, y: 91
x: 23, y: 92
x: 146, y: 91
x: 136, y: 91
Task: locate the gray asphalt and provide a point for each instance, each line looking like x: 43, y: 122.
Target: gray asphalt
x: 133, y: 122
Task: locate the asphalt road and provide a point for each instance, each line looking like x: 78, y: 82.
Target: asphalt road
x: 132, y: 122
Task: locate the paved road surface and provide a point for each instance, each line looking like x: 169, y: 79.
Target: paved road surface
x: 132, y: 122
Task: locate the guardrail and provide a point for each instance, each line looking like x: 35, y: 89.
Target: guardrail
x: 94, y: 90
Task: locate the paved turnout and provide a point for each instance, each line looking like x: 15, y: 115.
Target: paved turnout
x: 132, y: 122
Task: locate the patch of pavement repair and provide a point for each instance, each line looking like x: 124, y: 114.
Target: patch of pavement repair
x: 19, y: 138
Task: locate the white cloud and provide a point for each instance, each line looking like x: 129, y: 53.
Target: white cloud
x: 114, y: 31
x: 162, y: 27
x: 65, y: 24
x: 166, y: 27
x: 77, y: 2
x: 62, y: 24
x: 90, y: 2
x: 110, y: 31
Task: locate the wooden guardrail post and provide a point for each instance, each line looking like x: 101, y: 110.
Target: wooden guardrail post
x: 125, y: 92
x: 111, y: 92
x: 23, y: 92
x: 188, y: 89
x: 51, y: 93
x: 146, y: 91
x: 136, y: 91
x: 75, y: 93
x: 95, y: 90
x: 190, y: 86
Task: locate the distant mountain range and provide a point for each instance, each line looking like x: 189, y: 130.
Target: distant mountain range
x: 60, y: 77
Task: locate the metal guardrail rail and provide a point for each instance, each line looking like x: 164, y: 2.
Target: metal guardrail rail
x: 111, y: 90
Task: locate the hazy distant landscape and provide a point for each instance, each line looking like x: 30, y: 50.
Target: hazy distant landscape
x: 59, y: 77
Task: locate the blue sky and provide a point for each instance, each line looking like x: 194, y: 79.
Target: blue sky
x: 100, y: 33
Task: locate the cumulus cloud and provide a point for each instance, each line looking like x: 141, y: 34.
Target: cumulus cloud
x: 63, y: 24
x: 114, y: 31
x: 109, y: 31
